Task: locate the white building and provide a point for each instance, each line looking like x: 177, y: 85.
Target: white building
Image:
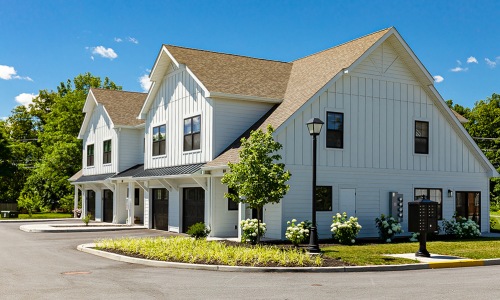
x: 386, y: 130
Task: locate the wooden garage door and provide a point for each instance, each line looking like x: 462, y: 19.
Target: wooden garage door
x: 193, y: 207
x: 160, y: 209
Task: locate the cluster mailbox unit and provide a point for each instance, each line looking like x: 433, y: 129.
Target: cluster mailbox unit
x: 422, y: 218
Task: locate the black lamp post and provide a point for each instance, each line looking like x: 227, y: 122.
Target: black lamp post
x: 314, y: 126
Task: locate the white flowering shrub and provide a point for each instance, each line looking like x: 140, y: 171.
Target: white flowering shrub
x: 345, y: 230
x: 461, y: 227
x: 250, y: 230
x: 297, y: 233
x: 387, y: 227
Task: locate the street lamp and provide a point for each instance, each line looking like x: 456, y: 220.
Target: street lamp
x: 314, y: 126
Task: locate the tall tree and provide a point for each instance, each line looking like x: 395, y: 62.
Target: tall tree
x: 60, y: 115
x: 258, y: 178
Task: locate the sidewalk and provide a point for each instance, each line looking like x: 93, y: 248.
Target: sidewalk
x: 77, y: 226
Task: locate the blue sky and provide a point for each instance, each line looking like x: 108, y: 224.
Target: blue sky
x: 43, y: 43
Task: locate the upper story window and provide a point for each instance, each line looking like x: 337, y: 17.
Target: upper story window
x: 323, y: 198
x: 159, y: 140
x: 192, y: 130
x: 431, y: 194
x: 90, y: 155
x: 334, y: 130
x: 106, y: 157
x: 421, y: 137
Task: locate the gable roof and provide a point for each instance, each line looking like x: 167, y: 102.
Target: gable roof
x: 308, y: 76
x: 122, y: 107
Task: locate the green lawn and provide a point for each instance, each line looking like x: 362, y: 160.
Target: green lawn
x: 482, y: 248
x: 495, y: 215
x: 46, y: 216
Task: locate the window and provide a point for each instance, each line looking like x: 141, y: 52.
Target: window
x: 334, y: 130
x: 323, y: 198
x: 431, y: 194
x: 136, y: 197
x: 106, y: 158
x: 192, y: 129
x: 90, y: 155
x: 421, y: 137
x: 231, y: 205
x: 159, y: 140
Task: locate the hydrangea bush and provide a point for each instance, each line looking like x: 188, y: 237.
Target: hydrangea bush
x: 250, y: 230
x: 387, y: 227
x: 345, y: 230
x: 297, y: 233
x: 461, y: 227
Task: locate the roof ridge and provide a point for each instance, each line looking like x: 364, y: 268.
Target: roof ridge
x: 101, y: 89
x: 230, y: 54
x: 345, y: 43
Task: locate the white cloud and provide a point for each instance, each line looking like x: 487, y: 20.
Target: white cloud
x: 145, y: 83
x: 8, y: 73
x: 459, y: 62
x: 438, y: 78
x: 491, y: 63
x: 133, y: 40
x: 459, y: 69
x: 472, y: 59
x: 25, y: 98
x: 105, y: 52
x: 92, y: 57
x: 118, y: 40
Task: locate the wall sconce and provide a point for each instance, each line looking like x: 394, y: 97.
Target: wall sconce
x: 450, y: 193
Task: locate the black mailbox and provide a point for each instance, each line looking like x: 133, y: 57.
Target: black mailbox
x: 422, y: 218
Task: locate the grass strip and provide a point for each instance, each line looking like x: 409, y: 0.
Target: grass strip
x: 46, y: 216
x: 187, y: 250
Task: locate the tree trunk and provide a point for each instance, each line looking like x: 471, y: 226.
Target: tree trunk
x: 258, y: 225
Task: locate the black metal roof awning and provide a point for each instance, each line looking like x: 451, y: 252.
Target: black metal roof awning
x: 93, y: 178
x: 170, y: 171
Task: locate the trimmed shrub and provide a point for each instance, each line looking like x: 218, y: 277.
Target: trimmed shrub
x: 198, y: 230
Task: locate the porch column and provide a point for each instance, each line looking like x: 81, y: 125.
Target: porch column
x: 75, y: 201
x: 241, y: 216
x: 84, y: 202
x: 131, y: 203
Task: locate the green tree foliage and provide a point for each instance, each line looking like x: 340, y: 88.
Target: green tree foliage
x: 463, y: 111
x: 258, y: 178
x: 57, y: 116
x: 484, y: 127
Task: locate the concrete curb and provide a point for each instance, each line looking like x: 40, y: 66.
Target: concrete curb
x: 89, y: 248
x: 56, y: 229
x: 35, y: 220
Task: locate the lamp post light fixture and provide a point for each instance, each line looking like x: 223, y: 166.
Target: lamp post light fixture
x: 314, y: 126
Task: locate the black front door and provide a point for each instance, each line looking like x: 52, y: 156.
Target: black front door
x: 107, y: 200
x: 91, y: 203
x: 160, y: 209
x: 468, y: 205
x: 193, y: 207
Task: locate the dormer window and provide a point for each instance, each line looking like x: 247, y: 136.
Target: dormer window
x: 106, y: 157
x: 90, y: 155
x: 159, y: 140
x: 192, y: 132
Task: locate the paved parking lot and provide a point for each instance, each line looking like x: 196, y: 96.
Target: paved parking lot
x: 48, y: 266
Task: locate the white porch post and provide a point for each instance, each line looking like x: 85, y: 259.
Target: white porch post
x: 75, y: 200
x: 241, y: 216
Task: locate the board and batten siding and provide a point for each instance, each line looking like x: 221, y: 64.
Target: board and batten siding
x: 179, y: 97
x: 232, y: 118
x: 98, y: 131
x: 131, y: 149
x: 380, y: 100
x: 224, y: 222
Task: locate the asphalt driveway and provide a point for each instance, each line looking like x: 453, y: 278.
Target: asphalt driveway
x: 48, y: 266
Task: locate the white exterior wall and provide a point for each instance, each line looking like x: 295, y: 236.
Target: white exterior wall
x: 224, y: 221
x: 380, y: 100
x: 179, y: 97
x: 131, y: 149
x: 232, y: 118
x: 98, y: 131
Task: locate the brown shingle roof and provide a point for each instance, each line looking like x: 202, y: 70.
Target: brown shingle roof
x: 308, y: 76
x: 122, y: 107
x: 233, y: 74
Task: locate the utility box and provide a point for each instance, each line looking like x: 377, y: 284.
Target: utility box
x: 9, y: 214
x: 396, y: 202
x: 422, y: 216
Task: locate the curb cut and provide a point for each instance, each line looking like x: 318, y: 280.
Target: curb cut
x: 89, y: 248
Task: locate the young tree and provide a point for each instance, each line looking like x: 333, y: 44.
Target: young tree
x: 258, y: 178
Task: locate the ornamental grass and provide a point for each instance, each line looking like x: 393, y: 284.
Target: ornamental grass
x: 187, y: 250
